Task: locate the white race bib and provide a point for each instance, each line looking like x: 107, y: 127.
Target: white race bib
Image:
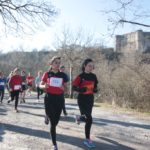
x: 56, y: 82
x: 23, y: 83
x: 17, y: 87
x: 2, y: 83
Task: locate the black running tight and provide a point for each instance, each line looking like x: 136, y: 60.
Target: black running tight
x: 85, y: 103
x: 15, y: 95
x: 53, y: 109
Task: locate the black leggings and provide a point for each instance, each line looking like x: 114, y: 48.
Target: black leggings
x: 64, y: 107
x: 53, y: 108
x: 15, y: 95
x: 2, y: 91
x: 85, y: 103
x: 39, y: 92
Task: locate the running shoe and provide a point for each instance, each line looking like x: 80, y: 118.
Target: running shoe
x: 8, y: 101
x: 89, y: 143
x: 46, y: 120
x: 54, y: 147
x: 16, y: 110
x: 65, y: 114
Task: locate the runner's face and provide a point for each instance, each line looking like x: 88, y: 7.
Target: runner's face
x: 56, y: 64
x: 16, y: 72
x: 89, y: 67
x: 62, y: 69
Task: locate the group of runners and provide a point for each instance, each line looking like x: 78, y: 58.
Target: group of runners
x: 18, y: 83
x: 54, y: 84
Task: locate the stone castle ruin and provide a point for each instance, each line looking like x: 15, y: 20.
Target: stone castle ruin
x: 132, y: 42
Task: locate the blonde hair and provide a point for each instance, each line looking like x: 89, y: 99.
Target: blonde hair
x: 16, y: 69
x: 52, y: 60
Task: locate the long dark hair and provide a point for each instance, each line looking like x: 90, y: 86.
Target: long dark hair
x: 86, y: 61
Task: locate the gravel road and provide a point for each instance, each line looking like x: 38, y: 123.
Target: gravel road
x: 111, y: 130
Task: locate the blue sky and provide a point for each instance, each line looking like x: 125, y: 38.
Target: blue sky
x: 75, y: 14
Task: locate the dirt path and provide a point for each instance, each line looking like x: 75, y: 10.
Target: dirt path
x: 111, y: 130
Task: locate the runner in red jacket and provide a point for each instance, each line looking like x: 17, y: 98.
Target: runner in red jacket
x: 15, y: 83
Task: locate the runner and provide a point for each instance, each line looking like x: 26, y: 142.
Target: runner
x: 15, y: 83
x: 30, y: 80
x: 37, y: 82
x: 24, y: 87
x: 2, y: 86
x: 54, y: 82
x: 62, y: 69
x: 86, y: 85
x: 7, y: 86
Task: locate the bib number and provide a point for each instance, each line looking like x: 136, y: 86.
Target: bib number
x: 56, y: 82
x: 23, y: 83
x: 2, y: 83
x: 17, y: 87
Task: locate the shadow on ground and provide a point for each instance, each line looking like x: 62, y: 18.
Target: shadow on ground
x: 113, y: 145
x: 33, y: 106
x: 29, y: 113
x: 1, y: 131
x: 3, y: 111
x: 121, y: 123
x: 100, y: 122
x: 70, y: 117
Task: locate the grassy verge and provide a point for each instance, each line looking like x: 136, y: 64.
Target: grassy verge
x: 121, y: 109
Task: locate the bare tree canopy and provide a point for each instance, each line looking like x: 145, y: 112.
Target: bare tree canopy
x: 18, y: 15
x: 133, y: 12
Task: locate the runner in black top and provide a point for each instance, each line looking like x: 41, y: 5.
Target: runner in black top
x: 62, y: 69
x: 86, y: 85
x: 37, y: 82
x: 54, y: 82
x: 24, y: 87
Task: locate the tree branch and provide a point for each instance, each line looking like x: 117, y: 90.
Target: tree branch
x: 132, y: 22
x: 34, y: 14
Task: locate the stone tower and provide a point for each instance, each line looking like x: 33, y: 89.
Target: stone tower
x: 132, y: 42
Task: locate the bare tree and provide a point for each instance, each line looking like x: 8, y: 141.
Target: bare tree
x: 127, y: 11
x: 72, y: 46
x: 25, y: 14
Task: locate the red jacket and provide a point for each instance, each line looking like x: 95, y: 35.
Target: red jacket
x: 15, y: 83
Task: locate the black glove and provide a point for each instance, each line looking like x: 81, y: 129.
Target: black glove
x: 78, y: 89
x: 95, y: 90
x: 82, y: 90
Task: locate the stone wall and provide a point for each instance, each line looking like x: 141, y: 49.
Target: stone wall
x: 131, y: 42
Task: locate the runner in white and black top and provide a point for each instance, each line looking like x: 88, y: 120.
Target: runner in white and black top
x: 54, y: 82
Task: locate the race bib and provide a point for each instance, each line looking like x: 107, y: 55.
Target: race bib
x: 56, y: 82
x: 23, y: 83
x: 17, y: 87
x: 2, y: 83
